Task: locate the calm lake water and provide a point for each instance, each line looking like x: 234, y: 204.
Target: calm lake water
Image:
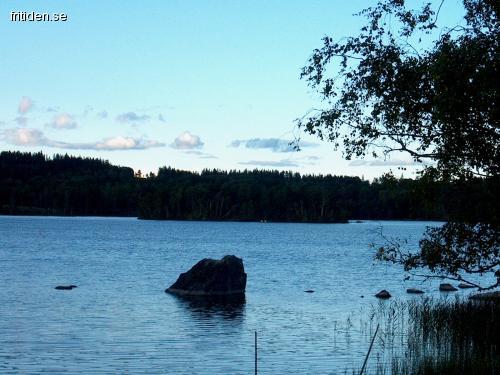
x: 119, y: 320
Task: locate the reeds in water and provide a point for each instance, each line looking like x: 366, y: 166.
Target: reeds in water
x: 431, y: 336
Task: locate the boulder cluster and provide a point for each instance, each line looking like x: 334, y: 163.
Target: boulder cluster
x: 444, y: 287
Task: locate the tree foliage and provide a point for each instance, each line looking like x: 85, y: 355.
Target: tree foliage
x: 65, y: 185
x: 390, y: 93
x: 450, y: 251
x: 405, y: 84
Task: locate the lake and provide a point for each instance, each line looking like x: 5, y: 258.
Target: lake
x: 120, y: 320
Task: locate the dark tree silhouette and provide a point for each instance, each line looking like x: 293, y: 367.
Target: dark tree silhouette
x: 395, y: 91
x: 65, y: 185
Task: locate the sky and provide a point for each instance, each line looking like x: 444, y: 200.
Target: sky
x: 180, y: 83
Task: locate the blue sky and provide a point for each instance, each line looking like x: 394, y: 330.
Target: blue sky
x: 189, y: 84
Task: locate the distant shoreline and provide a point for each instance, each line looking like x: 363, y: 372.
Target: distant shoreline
x: 350, y: 221
x: 33, y: 214
x: 63, y: 185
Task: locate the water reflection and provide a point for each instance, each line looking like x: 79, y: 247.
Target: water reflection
x: 214, y: 307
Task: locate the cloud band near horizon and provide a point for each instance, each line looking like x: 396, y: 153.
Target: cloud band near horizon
x: 34, y: 137
x: 273, y: 144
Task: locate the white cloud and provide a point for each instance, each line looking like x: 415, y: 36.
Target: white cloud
x: 131, y: 117
x: 25, y: 105
x: 187, y: 141
x: 271, y: 163
x: 63, y: 121
x: 200, y: 154
x: 358, y: 163
x: 87, y: 110
x: 125, y: 143
x: 35, y: 137
x: 24, y: 137
x: 21, y: 120
x: 384, y: 163
x: 273, y: 144
x: 103, y: 114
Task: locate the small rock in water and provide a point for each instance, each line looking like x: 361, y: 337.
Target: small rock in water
x: 309, y: 291
x: 414, y: 291
x: 465, y: 286
x: 447, y: 288
x: 65, y: 287
x: 384, y: 294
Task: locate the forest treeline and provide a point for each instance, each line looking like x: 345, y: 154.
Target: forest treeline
x: 34, y: 184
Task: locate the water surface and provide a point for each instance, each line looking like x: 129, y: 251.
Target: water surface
x: 119, y: 320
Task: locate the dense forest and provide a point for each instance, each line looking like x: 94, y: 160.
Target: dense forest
x: 34, y: 184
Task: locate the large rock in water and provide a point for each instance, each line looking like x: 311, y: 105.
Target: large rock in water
x: 210, y: 277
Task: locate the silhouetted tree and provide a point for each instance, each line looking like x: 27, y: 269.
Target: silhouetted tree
x: 65, y: 185
x: 391, y: 92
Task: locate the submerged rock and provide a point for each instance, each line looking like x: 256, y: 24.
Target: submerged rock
x: 465, y: 286
x: 383, y: 294
x: 414, y: 291
x: 210, y: 277
x: 447, y: 288
x: 65, y: 287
